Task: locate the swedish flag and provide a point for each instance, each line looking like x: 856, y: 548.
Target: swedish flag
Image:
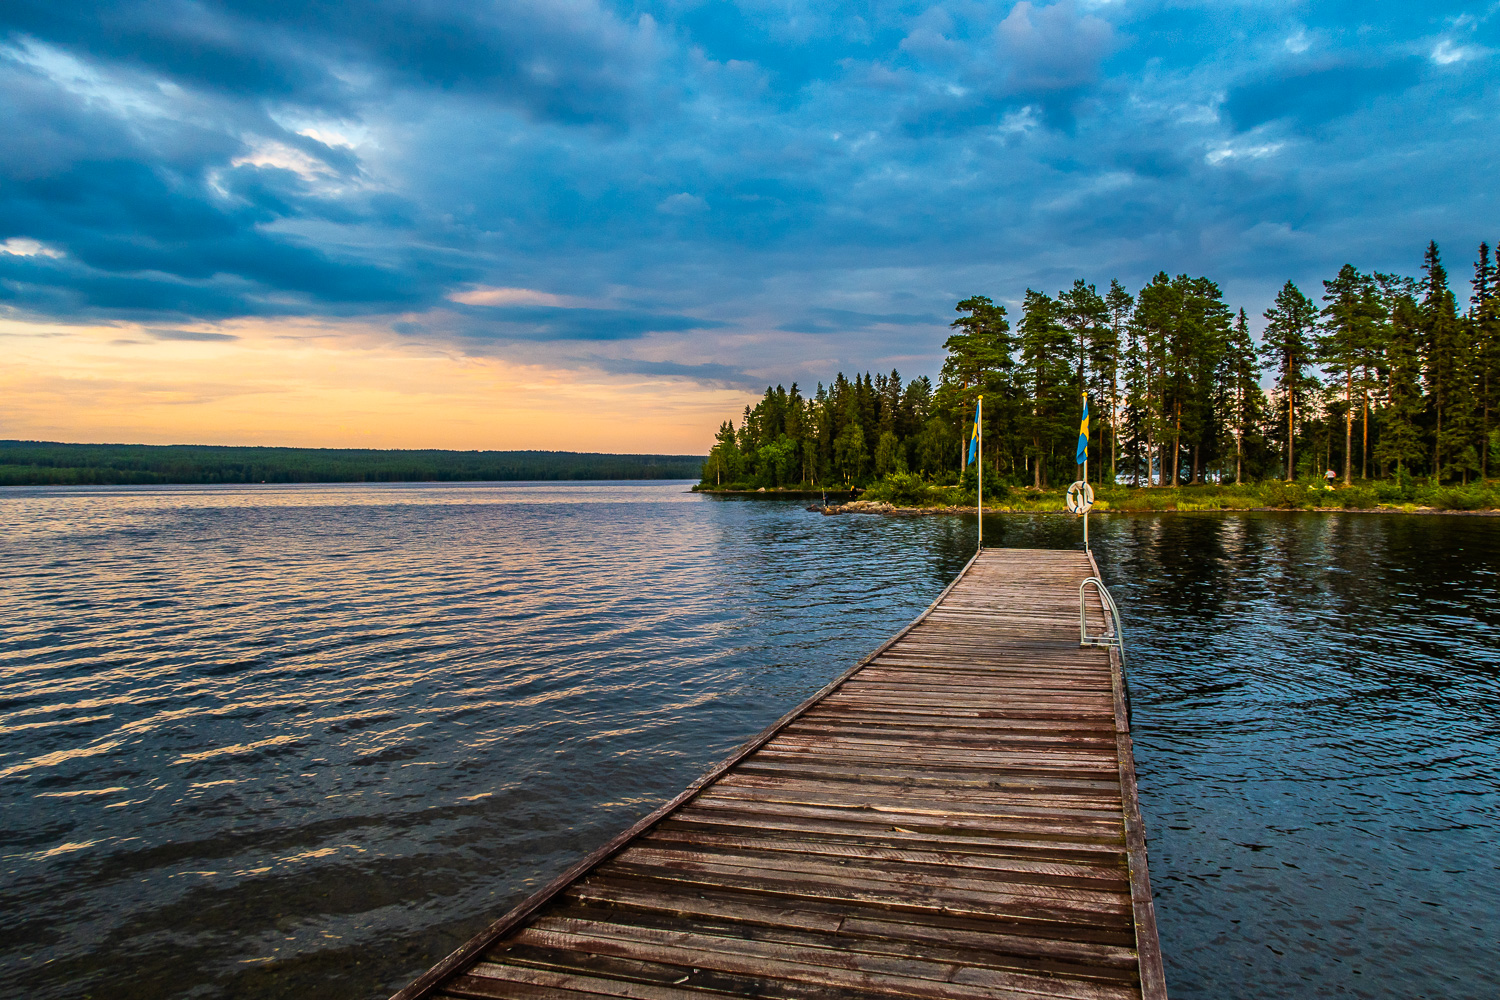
x: 974, y: 436
x: 1083, y: 432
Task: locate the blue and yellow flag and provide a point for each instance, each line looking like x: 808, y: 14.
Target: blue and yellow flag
x: 1083, y: 432
x: 974, y: 436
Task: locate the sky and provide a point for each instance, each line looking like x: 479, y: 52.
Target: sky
x: 571, y: 224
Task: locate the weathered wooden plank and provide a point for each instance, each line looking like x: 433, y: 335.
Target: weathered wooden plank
x: 954, y: 860
x: 982, y: 949
x: 827, y: 966
x: 1049, y: 887
x: 751, y: 908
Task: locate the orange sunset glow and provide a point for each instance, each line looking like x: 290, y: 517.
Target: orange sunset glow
x: 331, y: 384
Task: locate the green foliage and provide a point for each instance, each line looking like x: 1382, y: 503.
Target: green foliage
x: 1285, y: 495
x: 1477, y: 497
x: 904, y: 489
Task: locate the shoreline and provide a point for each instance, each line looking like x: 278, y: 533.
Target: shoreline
x: 891, y: 510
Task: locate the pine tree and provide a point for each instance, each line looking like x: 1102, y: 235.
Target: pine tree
x: 1287, y: 349
x: 1048, y: 374
x: 980, y: 360
x: 1156, y: 309
x: 1351, y: 318
x: 1202, y: 338
x: 1244, y: 401
x: 1085, y: 316
x: 1121, y: 305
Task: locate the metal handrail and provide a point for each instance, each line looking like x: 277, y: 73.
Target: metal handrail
x: 1114, y: 636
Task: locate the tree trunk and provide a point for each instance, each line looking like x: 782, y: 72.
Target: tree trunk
x: 1290, y: 429
x: 1150, y: 424
x: 1239, y: 449
x: 1036, y: 467
x: 1437, y: 448
x: 1349, y: 426
x: 1364, y: 456
x: 1150, y: 450
x: 1177, y: 445
x: 1114, y: 420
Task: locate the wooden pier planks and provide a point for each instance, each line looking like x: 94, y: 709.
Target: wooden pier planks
x: 955, y: 818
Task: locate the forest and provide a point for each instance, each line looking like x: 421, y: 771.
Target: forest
x: 49, y: 463
x: 1383, y: 377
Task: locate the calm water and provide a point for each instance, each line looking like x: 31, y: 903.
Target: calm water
x: 277, y: 741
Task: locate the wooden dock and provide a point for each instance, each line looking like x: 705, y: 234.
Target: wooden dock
x: 954, y: 818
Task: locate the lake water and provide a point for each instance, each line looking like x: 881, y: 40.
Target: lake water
x: 304, y: 740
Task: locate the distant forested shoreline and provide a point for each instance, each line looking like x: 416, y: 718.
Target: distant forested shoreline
x: 48, y: 463
x: 1388, y: 378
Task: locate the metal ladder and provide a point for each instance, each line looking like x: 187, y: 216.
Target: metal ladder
x: 1112, y: 637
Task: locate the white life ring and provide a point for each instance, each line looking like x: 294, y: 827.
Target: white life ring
x: 1080, y: 498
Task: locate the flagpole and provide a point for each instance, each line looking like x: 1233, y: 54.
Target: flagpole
x: 1085, y: 479
x: 979, y: 432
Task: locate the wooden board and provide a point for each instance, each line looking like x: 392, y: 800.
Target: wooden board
x: 954, y: 818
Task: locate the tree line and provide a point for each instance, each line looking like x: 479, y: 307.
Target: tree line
x: 1383, y: 376
x: 51, y: 463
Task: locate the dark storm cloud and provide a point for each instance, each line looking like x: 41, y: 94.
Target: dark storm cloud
x: 568, y: 61
x: 837, y: 176
x: 531, y: 322
x: 725, y: 375
x: 844, y: 320
x: 1316, y: 93
x: 202, y: 336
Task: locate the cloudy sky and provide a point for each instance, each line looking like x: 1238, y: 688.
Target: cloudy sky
x: 600, y: 226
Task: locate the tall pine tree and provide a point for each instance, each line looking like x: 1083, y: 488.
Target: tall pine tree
x: 1287, y: 350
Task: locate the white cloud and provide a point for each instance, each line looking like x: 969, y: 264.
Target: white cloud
x: 278, y: 155
x: 20, y: 246
x: 1445, y: 53
x: 1019, y: 122
x: 1215, y: 157
x: 682, y: 204
x: 484, y: 295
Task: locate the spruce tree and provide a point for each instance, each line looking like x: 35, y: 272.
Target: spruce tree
x: 1400, y: 441
x: 1444, y: 343
x: 1484, y: 313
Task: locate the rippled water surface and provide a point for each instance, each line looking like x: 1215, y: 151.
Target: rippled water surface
x: 302, y: 741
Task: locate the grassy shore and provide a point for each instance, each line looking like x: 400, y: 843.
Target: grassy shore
x: 911, y: 492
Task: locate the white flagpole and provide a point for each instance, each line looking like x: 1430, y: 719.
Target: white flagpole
x: 1085, y: 483
x: 979, y: 430
x: 1085, y: 513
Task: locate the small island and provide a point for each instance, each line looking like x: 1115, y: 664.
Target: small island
x: 1383, y: 396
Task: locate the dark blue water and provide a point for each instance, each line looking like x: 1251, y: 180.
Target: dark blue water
x: 277, y: 741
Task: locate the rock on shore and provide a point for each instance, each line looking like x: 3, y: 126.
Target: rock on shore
x: 881, y: 507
